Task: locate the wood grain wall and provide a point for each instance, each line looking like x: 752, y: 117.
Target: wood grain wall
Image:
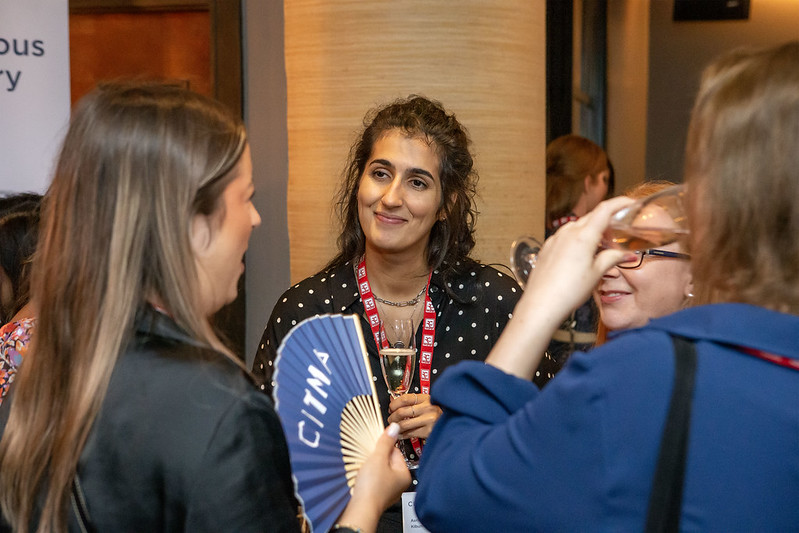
x: 485, y: 61
x: 146, y: 45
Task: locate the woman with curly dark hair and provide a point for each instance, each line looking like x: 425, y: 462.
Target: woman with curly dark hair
x: 406, y: 206
x: 452, y: 237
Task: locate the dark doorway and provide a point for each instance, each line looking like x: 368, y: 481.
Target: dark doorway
x: 195, y: 42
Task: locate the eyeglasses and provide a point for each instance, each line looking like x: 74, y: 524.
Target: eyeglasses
x: 635, y: 263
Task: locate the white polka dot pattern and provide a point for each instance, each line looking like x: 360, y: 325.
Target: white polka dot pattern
x: 463, y: 327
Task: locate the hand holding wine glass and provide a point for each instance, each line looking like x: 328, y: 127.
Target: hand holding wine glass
x: 571, y: 262
x: 637, y: 226
x: 398, y: 360
x: 566, y: 270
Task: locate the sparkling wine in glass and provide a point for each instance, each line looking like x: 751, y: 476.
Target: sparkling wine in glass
x: 398, y: 361
x: 398, y: 366
x: 650, y: 222
x: 523, y: 253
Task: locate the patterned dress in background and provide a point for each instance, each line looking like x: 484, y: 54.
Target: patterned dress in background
x: 14, y: 340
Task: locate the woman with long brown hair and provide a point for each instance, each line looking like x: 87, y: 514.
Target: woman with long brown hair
x: 129, y: 413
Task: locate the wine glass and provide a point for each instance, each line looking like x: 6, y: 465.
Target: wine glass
x: 397, y: 349
x: 523, y: 253
x: 650, y: 222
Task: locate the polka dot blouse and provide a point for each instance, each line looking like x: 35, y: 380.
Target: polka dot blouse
x: 466, y: 327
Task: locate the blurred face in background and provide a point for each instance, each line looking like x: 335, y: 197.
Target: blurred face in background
x: 597, y: 189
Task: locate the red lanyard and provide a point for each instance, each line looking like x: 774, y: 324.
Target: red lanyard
x: 770, y: 357
x: 428, y: 330
x: 428, y: 323
x: 558, y: 222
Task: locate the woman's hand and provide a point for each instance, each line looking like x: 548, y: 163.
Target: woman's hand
x: 567, y: 269
x: 415, y: 415
x: 380, y: 482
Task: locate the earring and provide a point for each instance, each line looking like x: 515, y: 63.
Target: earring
x: 690, y: 295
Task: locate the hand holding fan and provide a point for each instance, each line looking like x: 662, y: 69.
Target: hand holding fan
x: 327, y: 403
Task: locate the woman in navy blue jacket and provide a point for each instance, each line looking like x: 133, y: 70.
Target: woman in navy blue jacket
x: 582, y: 454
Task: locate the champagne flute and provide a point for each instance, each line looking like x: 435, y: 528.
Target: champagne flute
x: 398, y: 360
x: 642, y: 224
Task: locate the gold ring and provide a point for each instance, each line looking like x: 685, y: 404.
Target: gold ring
x: 415, y: 398
x: 413, y: 412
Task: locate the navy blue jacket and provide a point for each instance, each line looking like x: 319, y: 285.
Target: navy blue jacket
x: 580, y: 454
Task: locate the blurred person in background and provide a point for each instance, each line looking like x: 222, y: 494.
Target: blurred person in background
x: 19, y: 224
x: 578, y: 178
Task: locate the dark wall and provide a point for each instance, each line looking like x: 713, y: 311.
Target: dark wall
x: 267, y: 260
x: 679, y: 51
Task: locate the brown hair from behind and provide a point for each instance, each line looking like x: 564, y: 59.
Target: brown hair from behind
x: 138, y: 162
x: 742, y: 172
x: 569, y: 159
x: 19, y: 231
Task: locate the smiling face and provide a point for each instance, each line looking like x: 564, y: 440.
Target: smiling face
x: 399, y: 195
x: 629, y: 298
x: 220, y: 239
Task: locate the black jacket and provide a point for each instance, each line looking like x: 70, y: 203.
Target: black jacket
x: 184, y: 442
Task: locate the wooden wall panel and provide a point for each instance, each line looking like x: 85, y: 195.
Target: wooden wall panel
x: 485, y: 61
x: 169, y: 45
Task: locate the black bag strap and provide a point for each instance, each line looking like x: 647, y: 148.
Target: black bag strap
x: 79, y: 507
x: 665, y: 502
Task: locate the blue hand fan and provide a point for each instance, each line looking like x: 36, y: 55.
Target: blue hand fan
x: 326, y: 399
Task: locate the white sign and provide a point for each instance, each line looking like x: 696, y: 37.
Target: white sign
x: 34, y: 90
x: 410, y: 523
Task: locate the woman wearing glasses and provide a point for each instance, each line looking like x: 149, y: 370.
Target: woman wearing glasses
x: 654, y: 284
x: 599, y: 448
